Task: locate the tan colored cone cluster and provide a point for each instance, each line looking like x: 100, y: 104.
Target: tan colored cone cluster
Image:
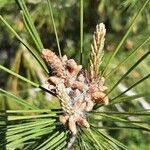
x: 74, y: 90
x: 78, y: 90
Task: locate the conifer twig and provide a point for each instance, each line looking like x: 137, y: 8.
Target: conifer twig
x: 97, y: 50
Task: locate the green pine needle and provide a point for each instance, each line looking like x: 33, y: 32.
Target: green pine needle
x: 125, y: 36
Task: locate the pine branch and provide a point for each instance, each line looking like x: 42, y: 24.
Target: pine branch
x: 97, y: 51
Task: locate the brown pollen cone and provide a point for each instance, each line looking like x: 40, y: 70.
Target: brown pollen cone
x: 53, y: 61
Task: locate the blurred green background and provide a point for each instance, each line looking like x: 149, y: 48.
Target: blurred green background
x: 116, y: 15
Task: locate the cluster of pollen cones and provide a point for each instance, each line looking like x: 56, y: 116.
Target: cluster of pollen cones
x: 74, y: 88
x: 75, y: 91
